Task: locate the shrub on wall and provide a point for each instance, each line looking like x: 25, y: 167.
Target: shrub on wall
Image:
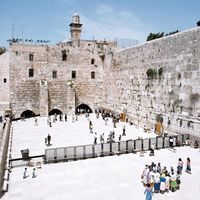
x: 151, y: 73
x: 2, y: 50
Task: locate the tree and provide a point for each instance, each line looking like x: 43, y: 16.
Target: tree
x: 2, y: 50
x: 171, y: 33
x: 198, y: 23
x: 151, y: 73
x: 153, y: 36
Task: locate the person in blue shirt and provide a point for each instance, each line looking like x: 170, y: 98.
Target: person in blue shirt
x: 149, y: 192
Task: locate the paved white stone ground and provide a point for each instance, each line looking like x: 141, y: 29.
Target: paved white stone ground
x: 113, y: 177
x: 66, y: 133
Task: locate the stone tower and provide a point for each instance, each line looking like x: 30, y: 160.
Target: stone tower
x: 75, y: 27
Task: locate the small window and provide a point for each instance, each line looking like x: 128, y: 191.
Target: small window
x: 64, y: 55
x: 31, y: 57
x: 54, y: 74
x: 4, y: 80
x: 92, y: 61
x: 73, y: 74
x: 93, y: 75
x: 31, y: 73
x: 16, y: 53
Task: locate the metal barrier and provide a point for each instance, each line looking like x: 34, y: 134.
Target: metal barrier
x: 30, y: 161
x: 138, y: 145
x: 97, y: 150
x: 89, y: 151
x: 115, y: 148
x: 131, y: 146
x: 106, y: 149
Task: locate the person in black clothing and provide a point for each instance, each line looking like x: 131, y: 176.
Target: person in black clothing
x: 48, y: 140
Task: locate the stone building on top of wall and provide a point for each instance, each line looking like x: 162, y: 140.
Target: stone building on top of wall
x: 45, y: 79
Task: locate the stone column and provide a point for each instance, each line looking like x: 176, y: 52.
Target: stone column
x: 44, y: 101
x: 70, y: 98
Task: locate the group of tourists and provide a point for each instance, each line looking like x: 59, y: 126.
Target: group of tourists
x: 160, y: 180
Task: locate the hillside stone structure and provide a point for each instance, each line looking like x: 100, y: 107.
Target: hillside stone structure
x: 153, y: 83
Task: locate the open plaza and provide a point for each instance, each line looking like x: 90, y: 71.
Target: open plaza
x: 113, y: 177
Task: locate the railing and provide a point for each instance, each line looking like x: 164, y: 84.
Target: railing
x: 4, y: 157
x: 30, y: 161
x: 107, y: 149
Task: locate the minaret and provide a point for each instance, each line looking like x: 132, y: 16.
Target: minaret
x: 75, y: 27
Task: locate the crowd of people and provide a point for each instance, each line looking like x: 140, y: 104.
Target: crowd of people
x: 158, y: 179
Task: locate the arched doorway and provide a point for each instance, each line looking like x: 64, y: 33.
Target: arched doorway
x: 27, y: 114
x: 55, y: 111
x: 82, y: 108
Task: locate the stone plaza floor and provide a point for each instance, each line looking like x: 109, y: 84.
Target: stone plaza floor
x: 103, y: 178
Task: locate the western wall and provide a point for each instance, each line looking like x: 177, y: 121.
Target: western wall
x: 172, y: 94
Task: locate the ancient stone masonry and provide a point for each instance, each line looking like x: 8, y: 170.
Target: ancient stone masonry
x: 39, y: 74
x: 4, y: 81
x: 158, y: 80
x: 171, y: 88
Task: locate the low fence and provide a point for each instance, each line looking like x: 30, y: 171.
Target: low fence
x: 106, y: 149
x: 30, y: 161
x: 4, y: 156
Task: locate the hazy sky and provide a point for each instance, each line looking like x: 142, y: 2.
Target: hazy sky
x: 131, y: 19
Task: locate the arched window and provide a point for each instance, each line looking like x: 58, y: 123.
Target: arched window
x: 92, y: 61
x: 64, y: 55
x: 31, y: 57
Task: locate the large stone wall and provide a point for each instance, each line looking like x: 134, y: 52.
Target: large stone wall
x: 175, y: 93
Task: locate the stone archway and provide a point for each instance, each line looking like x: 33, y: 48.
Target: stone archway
x: 83, y: 108
x: 27, y: 114
x: 55, y: 111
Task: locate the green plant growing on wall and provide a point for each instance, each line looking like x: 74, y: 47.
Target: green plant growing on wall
x: 2, y: 50
x: 151, y: 73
